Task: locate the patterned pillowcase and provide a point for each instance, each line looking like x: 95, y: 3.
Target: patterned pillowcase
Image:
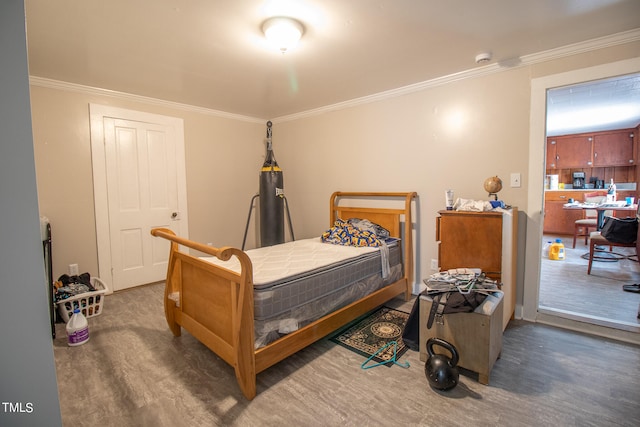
x: 345, y: 233
x: 365, y: 224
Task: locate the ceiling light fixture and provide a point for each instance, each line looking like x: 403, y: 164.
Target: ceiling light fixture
x: 282, y: 32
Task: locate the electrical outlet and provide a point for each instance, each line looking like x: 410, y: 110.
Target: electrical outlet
x: 434, y: 264
x: 73, y: 270
x: 516, y: 180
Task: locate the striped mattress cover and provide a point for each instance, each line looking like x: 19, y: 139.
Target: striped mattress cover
x: 298, y: 282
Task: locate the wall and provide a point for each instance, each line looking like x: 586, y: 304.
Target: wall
x: 450, y: 136
x: 28, y: 389
x: 223, y: 158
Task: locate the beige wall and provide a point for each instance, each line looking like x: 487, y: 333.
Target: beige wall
x: 223, y: 158
x: 450, y: 136
x: 408, y: 143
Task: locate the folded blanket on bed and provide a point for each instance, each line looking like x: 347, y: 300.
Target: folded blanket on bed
x: 359, y: 232
x: 351, y: 233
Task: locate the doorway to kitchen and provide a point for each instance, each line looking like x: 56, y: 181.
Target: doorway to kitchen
x: 578, y: 113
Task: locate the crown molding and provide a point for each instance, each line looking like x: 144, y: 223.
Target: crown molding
x: 528, y: 60
x: 89, y: 90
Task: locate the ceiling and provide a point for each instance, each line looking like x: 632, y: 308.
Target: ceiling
x: 594, y: 106
x: 211, y: 53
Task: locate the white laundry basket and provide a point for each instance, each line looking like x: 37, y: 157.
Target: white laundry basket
x: 90, y: 303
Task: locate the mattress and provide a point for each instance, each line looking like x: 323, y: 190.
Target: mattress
x: 298, y: 282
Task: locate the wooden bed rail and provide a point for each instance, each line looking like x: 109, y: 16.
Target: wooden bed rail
x: 223, y: 253
x: 228, y: 329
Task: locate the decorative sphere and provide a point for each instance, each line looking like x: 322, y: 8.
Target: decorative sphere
x: 493, y: 184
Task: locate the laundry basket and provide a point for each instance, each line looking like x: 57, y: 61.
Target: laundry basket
x: 90, y: 303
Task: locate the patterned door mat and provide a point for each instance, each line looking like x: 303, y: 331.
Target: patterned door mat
x: 370, y: 333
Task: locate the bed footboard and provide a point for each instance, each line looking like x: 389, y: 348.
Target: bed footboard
x: 213, y: 303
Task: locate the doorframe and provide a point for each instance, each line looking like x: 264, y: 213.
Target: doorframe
x: 535, y: 192
x: 97, y: 113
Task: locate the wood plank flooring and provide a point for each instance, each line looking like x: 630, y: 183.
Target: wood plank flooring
x: 566, y: 286
x: 133, y: 372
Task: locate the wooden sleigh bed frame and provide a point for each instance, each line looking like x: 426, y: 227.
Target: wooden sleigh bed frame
x: 216, y: 305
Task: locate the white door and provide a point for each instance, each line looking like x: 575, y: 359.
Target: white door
x: 143, y: 159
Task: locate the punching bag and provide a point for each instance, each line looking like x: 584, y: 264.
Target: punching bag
x: 271, y: 198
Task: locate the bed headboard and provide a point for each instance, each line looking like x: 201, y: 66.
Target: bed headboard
x: 388, y: 218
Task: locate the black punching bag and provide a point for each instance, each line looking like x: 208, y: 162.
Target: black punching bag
x: 271, y: 198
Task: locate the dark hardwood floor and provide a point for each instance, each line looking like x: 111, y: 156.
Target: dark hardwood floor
x: 565, y: 285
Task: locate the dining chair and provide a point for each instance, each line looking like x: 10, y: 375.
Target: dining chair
x: 596, y: 239
x: 589, y: 222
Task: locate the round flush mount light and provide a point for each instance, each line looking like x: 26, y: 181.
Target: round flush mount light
x: 482, y: 58
x: 282, y: 32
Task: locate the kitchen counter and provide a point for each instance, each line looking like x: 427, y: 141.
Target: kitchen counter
x: 618, y: 189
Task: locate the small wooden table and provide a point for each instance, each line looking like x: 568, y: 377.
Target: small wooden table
x: 477, y: 336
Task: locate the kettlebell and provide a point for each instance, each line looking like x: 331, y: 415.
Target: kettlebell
x: 441, y: 371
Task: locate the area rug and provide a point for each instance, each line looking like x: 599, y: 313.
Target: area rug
x: 370, y: 333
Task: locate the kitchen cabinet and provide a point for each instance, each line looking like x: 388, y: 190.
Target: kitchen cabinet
x: 557, y: 220
x: 613, y: 149
x: 484, y: 240
x: 551, y: 153
x: 573, y: 152
x: 598, y: 149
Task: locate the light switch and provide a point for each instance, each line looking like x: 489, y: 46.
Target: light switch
x: 515, y: 179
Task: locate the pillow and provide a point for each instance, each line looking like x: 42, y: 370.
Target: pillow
x: 345, y: 233
x: 366, y: 225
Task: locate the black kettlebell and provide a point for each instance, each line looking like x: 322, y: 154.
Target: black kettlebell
x: 441, y: 371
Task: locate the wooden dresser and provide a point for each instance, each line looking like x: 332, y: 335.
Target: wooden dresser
x: 484, y: 240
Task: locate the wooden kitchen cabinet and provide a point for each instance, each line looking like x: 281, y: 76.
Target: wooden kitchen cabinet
x: 484, y: 240
x: 574, y: 152
x: 614, y: 149
x: 590, y: 150
x: 557, y: 220
x: 551, y: 153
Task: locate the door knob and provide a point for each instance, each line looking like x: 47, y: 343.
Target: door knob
x: 174, y: 215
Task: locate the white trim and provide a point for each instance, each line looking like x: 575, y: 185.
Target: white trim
x: 592, y: 320
x: 98, y: 163
x: 581, y: 324
x: 97, y: 114
x: 89, y: 90
x: 573, y: 49
x: 537, y: 144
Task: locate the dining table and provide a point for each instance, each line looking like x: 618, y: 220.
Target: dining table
x: 601, y: 209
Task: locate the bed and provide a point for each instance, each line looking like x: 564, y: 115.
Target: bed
x: 216, y: 300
